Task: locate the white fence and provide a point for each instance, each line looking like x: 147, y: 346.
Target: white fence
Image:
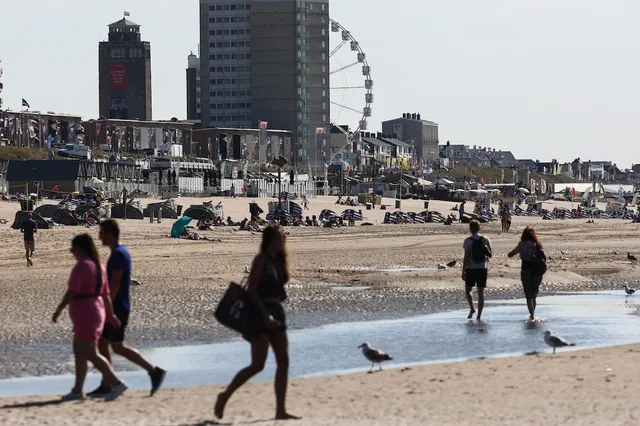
x: 270, y: 189
x: 190, y: 185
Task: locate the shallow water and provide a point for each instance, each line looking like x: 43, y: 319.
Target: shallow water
x: 589, y: 320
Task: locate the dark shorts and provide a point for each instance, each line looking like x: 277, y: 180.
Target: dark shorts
x: 277, y: 311
x: 116, y: 335
x: 476, y: 277
x: 30, y: 244
x: 530, y: 283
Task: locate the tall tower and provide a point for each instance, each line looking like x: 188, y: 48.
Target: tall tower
x: 125, y: 73
x: 193, y: 87
x: 267, y: 60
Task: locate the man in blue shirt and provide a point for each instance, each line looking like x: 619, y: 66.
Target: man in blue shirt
x: 119, y: 273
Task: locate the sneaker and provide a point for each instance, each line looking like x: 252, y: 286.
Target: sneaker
x: 100, y: 392
x: 115, y: 391
x: 73, y: 396
x: 157, y: 377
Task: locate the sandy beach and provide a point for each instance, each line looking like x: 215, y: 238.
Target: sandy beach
x: 183, y: 280
x: 591, y: 387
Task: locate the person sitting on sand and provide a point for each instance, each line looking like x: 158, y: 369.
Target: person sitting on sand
x: 243, y: 224
x: 89, y: 305
x: 267, y: 279
x: 314, y: 220
x: 205, y: 225
x: 308, y: 222
x: 528, y: 248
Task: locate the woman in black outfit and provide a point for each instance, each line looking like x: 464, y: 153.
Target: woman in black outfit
x: 527, y: 248
x: 269, y: 274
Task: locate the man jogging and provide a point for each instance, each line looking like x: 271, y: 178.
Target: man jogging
x: 28, y: 228
x: 477, y: 252
x: 119, y: 273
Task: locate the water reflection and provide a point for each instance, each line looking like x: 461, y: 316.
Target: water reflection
x: 590, y: 320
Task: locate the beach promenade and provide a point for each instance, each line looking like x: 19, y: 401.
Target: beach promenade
x: 183, y: 280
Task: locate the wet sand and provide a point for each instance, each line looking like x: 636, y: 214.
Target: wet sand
x: 183, y: 280
x: 597, y: 387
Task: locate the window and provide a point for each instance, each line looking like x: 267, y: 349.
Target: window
x: 322, y: 7
x: 227, y: 56
x: 219, y: 19
x: 324, y: 118
x: 212, y: 32
x: 212, y: 20
x: 218, y: 7
x: 103, y: 53
x: 247, y: 31
x: 324, y: 56
x: 324, y: 93
x: 227, y: 106
x: 225, y: 7
x: 324, y: 44
x: 324, y: 106
x: 233, y: 32
x: 219, y: 32
x: 231, y: 44
x: 226, y: 19
x: 227, y: 69
x: 248, y: 104
x: 234, y: 93
x: 227, y: 32
x: 220, y: 93
x: 234, y: 81
x: 234, y: 7
x: 247, y: 55
x: 324, y: 31
x: 241, y: 7
x: 233, y: 56
x: 220, y: 81
x: 247, y: 6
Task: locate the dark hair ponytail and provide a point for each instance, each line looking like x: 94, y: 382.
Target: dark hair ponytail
x: 85, y: 245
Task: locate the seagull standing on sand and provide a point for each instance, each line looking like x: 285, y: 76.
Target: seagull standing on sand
x: 629, y: 290
x: 246, y: 269
x: 376, y: 356
x: 631, y: 257
x: 555, y: 341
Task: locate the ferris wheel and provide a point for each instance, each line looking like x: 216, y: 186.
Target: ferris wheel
x: 351, y: 86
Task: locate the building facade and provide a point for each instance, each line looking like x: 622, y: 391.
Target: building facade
x: 267, y: 60
x: 193, y: 87
x: 1, y: 110
x: 412, y: 129
x: 125, y: 73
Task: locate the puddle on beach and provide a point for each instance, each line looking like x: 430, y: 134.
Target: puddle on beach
x: 396, y: 269
x: 589, y: 320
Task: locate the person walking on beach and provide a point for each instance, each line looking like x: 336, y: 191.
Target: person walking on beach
x: 461, y: 210
x: 119, y: 274
x: 477, y: 252
x: 28, y: 228
x: 533, y: 266
x: 89, y: 305
x: 267, y: 279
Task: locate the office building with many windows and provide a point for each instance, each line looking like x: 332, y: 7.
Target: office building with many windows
x: 268, y: 60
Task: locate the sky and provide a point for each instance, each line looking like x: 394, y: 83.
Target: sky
x: 543, y: 78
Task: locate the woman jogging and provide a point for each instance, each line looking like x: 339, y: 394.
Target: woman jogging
x: 269, y: 274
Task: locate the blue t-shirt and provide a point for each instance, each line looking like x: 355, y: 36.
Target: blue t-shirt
x: 120, y: 260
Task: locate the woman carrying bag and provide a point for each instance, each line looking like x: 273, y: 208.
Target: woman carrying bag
x: 533, y: 266
x: 268, y: 276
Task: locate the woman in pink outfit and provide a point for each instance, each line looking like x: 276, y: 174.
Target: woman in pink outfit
x: 89, y: 304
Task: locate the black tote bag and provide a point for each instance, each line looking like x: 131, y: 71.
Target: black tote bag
x: 237, y: 311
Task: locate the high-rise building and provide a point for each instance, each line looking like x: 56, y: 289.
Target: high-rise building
x: 1, y: 111
x: 125, y: 73
x: 1, y: 85
x: 193, y: 87
x: 267, y: 60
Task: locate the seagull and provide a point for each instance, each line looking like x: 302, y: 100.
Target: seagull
x: 246, y: 269
x: 555, y: 341
x: 376, y: 356
x: 135, y: 282
x: 631, y: 257
x: 629, y: 290
x: 452, y: 264
x: 562, y: 252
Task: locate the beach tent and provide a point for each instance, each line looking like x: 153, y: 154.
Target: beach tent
x: 178, y: 227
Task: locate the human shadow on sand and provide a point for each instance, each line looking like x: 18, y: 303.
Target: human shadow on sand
x: 34, y: 404
x: 220, y: 423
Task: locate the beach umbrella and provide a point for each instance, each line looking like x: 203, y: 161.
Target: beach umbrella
x: 178, y: 227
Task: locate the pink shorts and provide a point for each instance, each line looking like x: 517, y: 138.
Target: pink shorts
x: 88, y: 322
